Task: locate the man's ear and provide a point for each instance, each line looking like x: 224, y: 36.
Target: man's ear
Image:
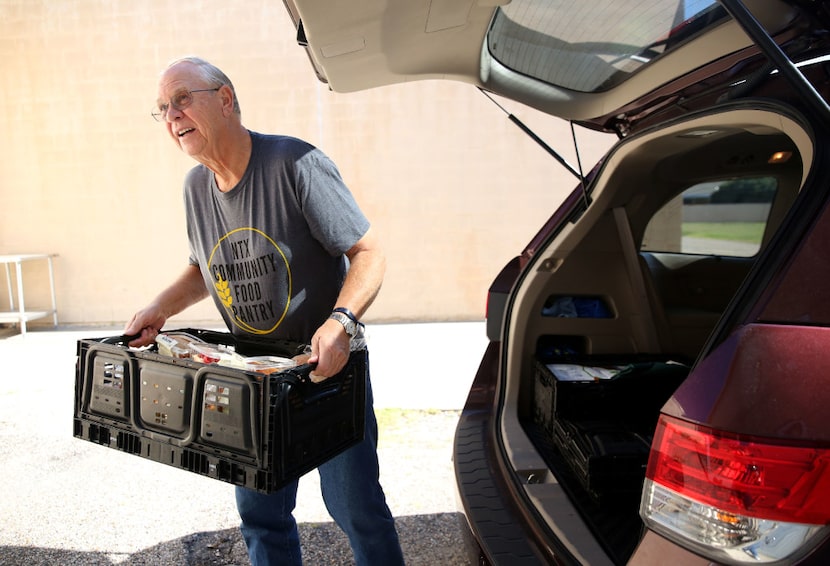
x: 227, y: 99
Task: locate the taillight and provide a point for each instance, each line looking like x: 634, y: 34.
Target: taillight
x: 735, y: 498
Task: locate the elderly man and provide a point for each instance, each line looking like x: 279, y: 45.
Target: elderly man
x: 279, y: 243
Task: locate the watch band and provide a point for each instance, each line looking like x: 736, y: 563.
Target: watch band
x: 348, y: 325
x: 347, y: 312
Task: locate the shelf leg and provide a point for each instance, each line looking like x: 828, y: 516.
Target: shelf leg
x: 52, y: 286
x: 20, y: 302
x: 9, y: 287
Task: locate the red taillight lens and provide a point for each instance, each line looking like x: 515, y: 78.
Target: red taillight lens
x: 746, y: 476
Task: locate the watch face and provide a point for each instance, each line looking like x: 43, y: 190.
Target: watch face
x: 349, y: 326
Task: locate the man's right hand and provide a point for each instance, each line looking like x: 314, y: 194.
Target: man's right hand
x: 145, y: 325
x: 187, y: 290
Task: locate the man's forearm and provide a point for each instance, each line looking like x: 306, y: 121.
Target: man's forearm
x: 185, y: 291
x: 363, y: 282
x: 367, y: 266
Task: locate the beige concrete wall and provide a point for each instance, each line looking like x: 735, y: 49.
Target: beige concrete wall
x: 452, y: 186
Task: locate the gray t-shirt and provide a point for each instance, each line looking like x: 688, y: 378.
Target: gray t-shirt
x: 271, y: 250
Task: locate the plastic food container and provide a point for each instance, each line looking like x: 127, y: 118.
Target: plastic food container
x: 268, y: 364
x: 208, y: 353
x: 176, y: 344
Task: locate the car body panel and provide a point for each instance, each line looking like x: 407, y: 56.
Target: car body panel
x: 748, y: 396
x: 810, y: 267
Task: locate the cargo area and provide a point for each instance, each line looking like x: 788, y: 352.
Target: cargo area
x: 611, y: 313
x: 595, y: 433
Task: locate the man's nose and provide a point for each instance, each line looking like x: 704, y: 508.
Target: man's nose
x: 172, y: 113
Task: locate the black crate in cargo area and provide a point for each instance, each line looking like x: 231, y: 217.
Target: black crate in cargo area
x: 635, y: 395
x: 607, y: 459
x: 600, y: 413
x: 242, y: 427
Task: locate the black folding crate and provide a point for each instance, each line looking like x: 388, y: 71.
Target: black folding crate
x: 636, y: 394
x: 602, y: 426
x: 608, y: 459
x: 256, y: 430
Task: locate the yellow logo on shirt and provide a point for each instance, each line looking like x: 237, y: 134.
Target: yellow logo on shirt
x: 223, y: 290
x: 252, y: 279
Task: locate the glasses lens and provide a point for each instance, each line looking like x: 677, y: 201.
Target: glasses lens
x: 160, y: 112
x: 181, y: 100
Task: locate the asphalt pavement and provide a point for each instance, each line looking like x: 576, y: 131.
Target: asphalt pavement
x: 67, y: 501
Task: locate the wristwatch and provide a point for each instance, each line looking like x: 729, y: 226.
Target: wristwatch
x: 348, y: 324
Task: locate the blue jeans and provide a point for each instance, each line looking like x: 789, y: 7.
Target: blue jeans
x: 353, y: 497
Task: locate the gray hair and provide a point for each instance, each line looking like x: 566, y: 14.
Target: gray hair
x: 211, y: 74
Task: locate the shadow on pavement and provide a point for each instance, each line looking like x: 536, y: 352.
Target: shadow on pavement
x: 425, y: 539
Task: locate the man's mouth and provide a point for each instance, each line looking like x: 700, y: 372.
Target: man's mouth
x: 182, y: 133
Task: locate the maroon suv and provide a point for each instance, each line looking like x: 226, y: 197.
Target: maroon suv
x: 656, y: 389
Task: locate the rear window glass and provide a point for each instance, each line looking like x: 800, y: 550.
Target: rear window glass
x: 589, y: 48
x: 726, y: 218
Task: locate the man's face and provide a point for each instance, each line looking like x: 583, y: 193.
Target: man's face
x: 194, y: 127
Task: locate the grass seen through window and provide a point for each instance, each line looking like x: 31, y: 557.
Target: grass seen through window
x: 733, y: 231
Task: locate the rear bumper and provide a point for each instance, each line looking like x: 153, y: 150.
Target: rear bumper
x: 494, y: 532
x: 495, y: 529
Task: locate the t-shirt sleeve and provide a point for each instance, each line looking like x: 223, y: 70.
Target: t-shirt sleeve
x: 330, y: 209
x: 194, y: 177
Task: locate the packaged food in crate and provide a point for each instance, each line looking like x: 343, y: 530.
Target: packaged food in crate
x: 250, y: 417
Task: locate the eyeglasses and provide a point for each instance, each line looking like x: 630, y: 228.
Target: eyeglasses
x: 180, y: 101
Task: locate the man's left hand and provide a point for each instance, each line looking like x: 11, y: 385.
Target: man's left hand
x: 329, y: 350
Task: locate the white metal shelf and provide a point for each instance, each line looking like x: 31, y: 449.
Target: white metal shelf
x: 18, y: 314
